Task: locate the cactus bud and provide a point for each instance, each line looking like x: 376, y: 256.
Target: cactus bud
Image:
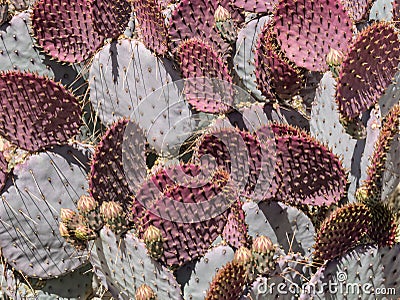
x: 154, y: 241
x: 242, y: 256
x: 63, y: 230
x: 110, y: 211
x: 68, y: 216
x: 113, y: 214
x: 263, y: 244
x: 263, y: 252
x: 221, y: 14
x: 84, y: 233
x: 144, y: 292
x: 334, y: 57
x: 86, y: 204
x: 225, y: 25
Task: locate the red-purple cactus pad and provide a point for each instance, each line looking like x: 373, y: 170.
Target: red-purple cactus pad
x: 198, y: 59
x: 36, y: 112
x: 195, y: 19
x: 358, y: 10
x: 274, y: 72
x: 342, y: 231
x: 3, y: 170
x: 65, y: 29
x: 235, y: 230
x: 384, y: 227
x: 183, y: 240
x: 108, y: 179
x: 256, y: 6
x: 371, y: 189
x: 368, y: 69
x: 249, y: 158
x: 307, y: 30
x: 110, y: 18
x: 228, y: 283
x: 306, y: 171
x: 152, y: 25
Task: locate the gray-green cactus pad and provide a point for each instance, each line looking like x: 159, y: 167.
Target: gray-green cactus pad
x: 244, y: 58
x: 205, y: 270
x: 123, y: 265
x: 367, y: 272
x: 284, y: 225
x: 30, y: 208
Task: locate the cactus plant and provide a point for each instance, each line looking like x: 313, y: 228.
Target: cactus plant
x: 237, y: 144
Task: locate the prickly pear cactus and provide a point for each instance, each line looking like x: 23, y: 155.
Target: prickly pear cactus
x: 199, y: 149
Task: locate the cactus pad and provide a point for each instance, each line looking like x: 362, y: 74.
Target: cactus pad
x: 364, y: 272
x: 342, y: 231
x: 152, y: 27
x: 195, y: 19
x: 65, y: 29
x: 108, y: 179
x: 110, y: 18
x: 294, y: 233
x: 228, y: 283
x: 198, y: 59
x: 284, y: 78
x: 306, y: 31
x: 243, y: 61
x: 256, y: 6
x: 111, y: 251
x: 364, y: 75
x: 32, y: 200
x: 36, y: 112
x: 358, y: 10
x: 3, y: 170
x: 311, y: 182
x: 373, y: 185
x: 205, y: 270
x: 187, y: 213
